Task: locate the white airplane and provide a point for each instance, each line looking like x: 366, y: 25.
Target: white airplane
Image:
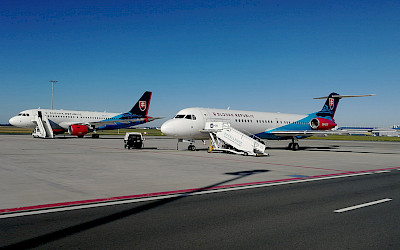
x: 189, y: 123
x: 79, y: 123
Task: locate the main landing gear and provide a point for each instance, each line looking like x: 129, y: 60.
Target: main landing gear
x: 294, y: 145
x: 192, y: 147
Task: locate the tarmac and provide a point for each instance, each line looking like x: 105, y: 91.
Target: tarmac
x: 45, y: 171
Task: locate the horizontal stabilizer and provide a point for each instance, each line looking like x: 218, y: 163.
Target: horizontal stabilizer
x: 344, y: 96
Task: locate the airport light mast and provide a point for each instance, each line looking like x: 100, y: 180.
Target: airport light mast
x: 52, y: 88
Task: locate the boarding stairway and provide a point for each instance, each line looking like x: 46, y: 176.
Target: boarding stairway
x: 43, y: 128
x: 225, y: 138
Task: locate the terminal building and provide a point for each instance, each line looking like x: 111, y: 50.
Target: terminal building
x: 372, y: 131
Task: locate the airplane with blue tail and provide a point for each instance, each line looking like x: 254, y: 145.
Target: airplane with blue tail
x: 79, y: 123
x: 188, y: 124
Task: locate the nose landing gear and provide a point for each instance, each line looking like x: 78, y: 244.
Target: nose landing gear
x: 191, y: 146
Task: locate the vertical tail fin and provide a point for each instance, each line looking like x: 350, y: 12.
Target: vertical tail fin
x: 142, y: 106
x: 330, y: 105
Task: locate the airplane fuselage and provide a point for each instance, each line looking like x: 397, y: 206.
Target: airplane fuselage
x: 189, y: 122
x: 64, y: 118
x: 81, y: 122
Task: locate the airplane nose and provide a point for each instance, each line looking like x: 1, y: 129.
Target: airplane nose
x: 12, y: 121
x: 166, y: 128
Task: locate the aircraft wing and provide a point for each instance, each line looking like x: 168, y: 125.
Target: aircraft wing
x: 122, y: 121
x: 109, y: 122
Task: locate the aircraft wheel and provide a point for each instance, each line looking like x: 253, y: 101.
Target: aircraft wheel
x: 296, y: 146
x: 290, y: 146
x: 192, y: 147
x: 246, y: 154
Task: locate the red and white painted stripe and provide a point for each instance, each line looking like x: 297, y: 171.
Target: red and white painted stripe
x: 74, y: 205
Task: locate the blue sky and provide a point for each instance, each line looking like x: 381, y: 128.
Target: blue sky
x: 252, y: 55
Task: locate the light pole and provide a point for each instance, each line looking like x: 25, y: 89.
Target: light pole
x: 52, y: 88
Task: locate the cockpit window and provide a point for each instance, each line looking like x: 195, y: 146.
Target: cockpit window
x: 189, y: 117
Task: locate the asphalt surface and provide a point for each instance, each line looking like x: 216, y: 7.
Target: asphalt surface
x: 45, y: 171
x: 37, y: 173
x: 292, y: 216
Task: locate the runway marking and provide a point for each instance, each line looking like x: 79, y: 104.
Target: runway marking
x: 75, y: 205
x: 190, y: 192
x: 362, y: 205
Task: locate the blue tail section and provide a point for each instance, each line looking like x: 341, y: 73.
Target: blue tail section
x: 329, y: 108
x: 136, y: 116
x: 141, y: 108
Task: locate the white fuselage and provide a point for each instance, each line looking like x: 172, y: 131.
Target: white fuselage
x: 188, y: 123
x: 63, y: 118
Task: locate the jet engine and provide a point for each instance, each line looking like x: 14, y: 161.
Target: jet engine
x: 78, y: 130
x: 322, y: 124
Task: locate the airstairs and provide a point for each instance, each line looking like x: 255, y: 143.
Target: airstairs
x: 224, y: 138
x: 43, y: 128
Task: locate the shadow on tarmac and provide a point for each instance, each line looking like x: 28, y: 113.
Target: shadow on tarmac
x: 333, y: 148
x: 305, y: 148
x: 352, y: 151
x: 50, y: 237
